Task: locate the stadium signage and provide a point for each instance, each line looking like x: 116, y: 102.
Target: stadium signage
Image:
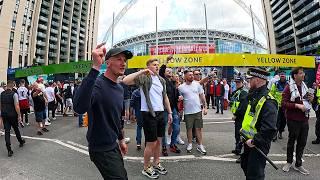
x: 183, y: 60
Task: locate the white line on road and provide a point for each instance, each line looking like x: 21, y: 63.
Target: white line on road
x: 222, y: 157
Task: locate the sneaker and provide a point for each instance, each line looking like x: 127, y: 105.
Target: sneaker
x: 150, y: 173
x: 189, y: 148
x: 317, y: 141
x: 10, y: 153
x: 28, y: 124
x: 45, y: 130
x: 54, y: 118
x: 160, y: 169
x: 168, y: 140
x: 175, y: 149
x: 201, y: 149
x: 180, y: 141
x: 48, y: 120
x: 47, y: 123
x: 302, y: 170
x: 286, y: 167
x: 138, y: 147
x: 22, y: 143
x: 164, y: 151
x: 127, y: 140
x: 39, y: 133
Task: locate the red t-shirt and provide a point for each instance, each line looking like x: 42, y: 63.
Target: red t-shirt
x: 211, y: 89
x: 218, y: 90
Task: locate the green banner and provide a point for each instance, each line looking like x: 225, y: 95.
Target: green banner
x: 73, y: 67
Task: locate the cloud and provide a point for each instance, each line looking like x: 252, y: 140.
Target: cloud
x: 225, y: 15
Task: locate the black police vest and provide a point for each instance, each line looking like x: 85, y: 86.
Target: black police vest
x: 7, y: 104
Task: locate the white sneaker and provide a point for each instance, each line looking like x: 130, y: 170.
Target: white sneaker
x: 54, y: 118
x: 180, y: 141
x: 28, y: 124
x: 189, y: 148
x: 47, y: 123
x: 286, y: 167
x: 127, y: 140
x: 168, y: 140
x: 201, y: 149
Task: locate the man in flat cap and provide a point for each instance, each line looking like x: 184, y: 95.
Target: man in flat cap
x: 102, y: 98
x: 239, y: 100
x: 259, y: 124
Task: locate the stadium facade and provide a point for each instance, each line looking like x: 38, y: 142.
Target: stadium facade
x: 191, y: 41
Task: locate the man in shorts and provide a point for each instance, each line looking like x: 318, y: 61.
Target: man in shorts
x: 153, y: 101
x: 39, y: 105
x: 192, y: 93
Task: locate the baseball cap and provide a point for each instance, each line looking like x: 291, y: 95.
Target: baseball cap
x: 115, y: 51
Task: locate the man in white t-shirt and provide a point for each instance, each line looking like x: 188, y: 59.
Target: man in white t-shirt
x: 42, y: 87
x: 23, y: 96
x: 153, y: 101
x: 192, y: 93
x: 226, y: 93
x: 51, y: 100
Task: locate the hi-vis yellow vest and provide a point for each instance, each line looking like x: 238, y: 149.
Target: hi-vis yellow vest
x: 236, y: 102
x: 318, y: 95
x: 276, y: 93
x: 250, y: 118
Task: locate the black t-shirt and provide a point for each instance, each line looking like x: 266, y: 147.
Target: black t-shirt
x: 38, y: 102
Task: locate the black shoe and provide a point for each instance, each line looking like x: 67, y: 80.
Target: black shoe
x: 236, y: 152
x: 213, y: 107
x: 317, y: 141
x: 274, y: 138
x: 208, y: 107
x: 238, y: 160
x: 280, y: 135
x: 138, y: 147
x: 45, y: 130
x: 175, y: 149
x: 164, y: 151
x: 39, y: 133
x: 22, y: 143
x: 221, y: 112
x: 217, y: 112
x: 10, y: 153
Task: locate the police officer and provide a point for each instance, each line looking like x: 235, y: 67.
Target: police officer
x: 276, y: 91
x: 316, y: 105
x: 238, y: 108
x: 10, y: 113
x: 259, y: 124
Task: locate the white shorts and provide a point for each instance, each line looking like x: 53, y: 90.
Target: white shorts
x: 69, y: 102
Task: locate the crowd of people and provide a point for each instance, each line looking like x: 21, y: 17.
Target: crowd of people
x: 41, y: 99
x: 158, y: 100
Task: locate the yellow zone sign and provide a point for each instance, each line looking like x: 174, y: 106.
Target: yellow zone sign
x: 185, y: 60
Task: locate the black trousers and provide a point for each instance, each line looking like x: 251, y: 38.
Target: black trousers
x: 298, y: 131
x: 237, y: 127
x: 219, y: 103
x: 109, y: 163
x: 317, y: 128
x: 281, y: 120
x: 208, y: 97
x: 52, y: 106
x: 8, y: 123
x: 253, y: 164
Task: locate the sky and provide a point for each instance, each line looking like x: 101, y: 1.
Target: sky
x: 224, y: 15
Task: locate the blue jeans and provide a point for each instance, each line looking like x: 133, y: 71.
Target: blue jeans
x: 175, y: 127
x: 80, y: 116
x: 139, y: 126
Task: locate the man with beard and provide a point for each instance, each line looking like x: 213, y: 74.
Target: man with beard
x: 192, y: 93
x: 259, y: 125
